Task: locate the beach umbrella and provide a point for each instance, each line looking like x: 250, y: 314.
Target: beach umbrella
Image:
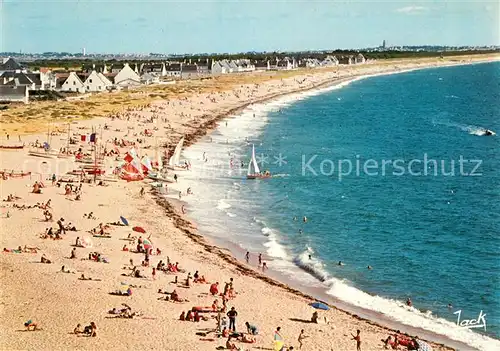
x: 124, y: 220
x: 147, y: 244
x: 139, y: 230
x: 319, y: 306
x: 423, y: 346
x: 86, y: 242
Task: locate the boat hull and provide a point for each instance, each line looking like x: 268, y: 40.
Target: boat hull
x: 8, y: 147
x: 258, y: 176
x: 42, y: 154
x: 177, y: 168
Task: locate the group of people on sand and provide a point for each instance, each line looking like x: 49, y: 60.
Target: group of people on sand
x: 24, y: 249
x: 89, y: 330
x: 101, y: 230
x: 11, y: 198
x: 396, y: 340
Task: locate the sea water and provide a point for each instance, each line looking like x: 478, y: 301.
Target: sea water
x: 392, y: 172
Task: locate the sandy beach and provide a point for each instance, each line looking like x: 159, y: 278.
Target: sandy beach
x: 58, y: 301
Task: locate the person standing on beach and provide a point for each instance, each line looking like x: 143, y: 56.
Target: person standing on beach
x: 247, y: 256
x: 357, y: 337
x: 232, y: 319
x: 301, y: 338
x: 260, y: 259
x: 62, y: 230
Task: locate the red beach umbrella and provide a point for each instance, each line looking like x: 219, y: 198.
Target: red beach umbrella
x: 139, y: 229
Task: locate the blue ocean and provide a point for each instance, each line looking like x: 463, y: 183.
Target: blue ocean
x: 394, y: 172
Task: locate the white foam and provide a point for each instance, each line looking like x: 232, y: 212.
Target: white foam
x: 471, y: 129
x: 398, y: 311
x: 311, y: 264
x: 223, y: 205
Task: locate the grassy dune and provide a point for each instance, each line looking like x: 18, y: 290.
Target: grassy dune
x: 33, y: 118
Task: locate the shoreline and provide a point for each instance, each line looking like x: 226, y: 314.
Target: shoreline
x: 369, y: 316
x: 187, y: 228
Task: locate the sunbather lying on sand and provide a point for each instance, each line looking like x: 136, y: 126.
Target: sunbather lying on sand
x: 30, y: 325
x: 230, y: 345
x: 247, y: 339
x: 83, y: 277
x: 45, y: 259
x: 89, y: 216
x: 120, y: 310
x: 22, y: 250
x: 30, y: 249
x: 64, y: 270
x: 11, y: 198
x: 136, y: 273
x: 119, y: 292
x: 175, y: 297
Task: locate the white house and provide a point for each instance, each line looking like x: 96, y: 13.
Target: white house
x: 360, y: 59
x: 150, y: 78
x: 218, y: 68
x: 73, y: 83
x: 47, y: 78
x: 127, y: 77
x: 284, y: 64
x: 10, y: 93
x: 174, y: 70
x: 10, y: 65
x: 244, y: 65
x: 229, y: 68
x: 330, y: 61
x: 311, y: 63
x: 96, y: 82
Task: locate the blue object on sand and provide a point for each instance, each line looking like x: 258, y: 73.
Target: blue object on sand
x: 124, y: 220
x: 319, y: 306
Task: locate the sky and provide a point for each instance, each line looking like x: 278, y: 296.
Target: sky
x: 162, y: 26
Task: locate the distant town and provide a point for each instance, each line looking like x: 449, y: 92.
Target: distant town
x: 383, y: 48
x: 56, y: 75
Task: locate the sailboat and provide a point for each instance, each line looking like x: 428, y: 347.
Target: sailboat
x: 46, y: 151
x: 174, y: 161
x: 253, y: 171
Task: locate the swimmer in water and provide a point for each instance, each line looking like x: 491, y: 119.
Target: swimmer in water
x: 340, y: 263
x: 300, y: 231
x: 294, y: 218
x: 304, y: 219
x: 310, y: 257
x: 409, y: 303
x: 369, y: 267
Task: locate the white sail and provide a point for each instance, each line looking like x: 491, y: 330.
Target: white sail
x: 176, y: 157
x: 253, y: 163
x: 158, y: 159
x: 160, y: 162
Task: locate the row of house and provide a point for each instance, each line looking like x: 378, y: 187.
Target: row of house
x: 16, y: 81
x: 244, y: 65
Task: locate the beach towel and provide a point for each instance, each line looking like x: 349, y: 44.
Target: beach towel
x: 278, y: 345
